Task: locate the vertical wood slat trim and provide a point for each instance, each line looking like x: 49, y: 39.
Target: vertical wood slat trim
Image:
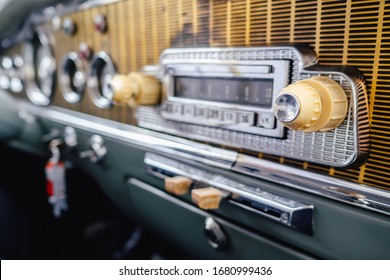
x: 362, y: 173
x: 318, y: 28
x: 195, y: 23
x: 154, y: 32
x: 378, y: 43
x: 133, y: 54
x: 292, y: 21
x: 180, y: 20
x: 122, y: 37
x: 247, y: 22
x: 211, y: 23
x: 269, y: 17
x: 376, y: 63
x: 166, y: 21
x: 142, y: 31
x: 346, y: 32
x: 228, y: 22
x: 114, y: 46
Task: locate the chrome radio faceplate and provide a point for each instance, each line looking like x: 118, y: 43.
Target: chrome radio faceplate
x: 234, y: 95
x: 339, y: 147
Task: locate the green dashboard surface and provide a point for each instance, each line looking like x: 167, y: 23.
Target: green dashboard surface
x: 341, y: 231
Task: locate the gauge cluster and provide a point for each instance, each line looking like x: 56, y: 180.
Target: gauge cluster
x: 77, y: 70
x: 39, y: 67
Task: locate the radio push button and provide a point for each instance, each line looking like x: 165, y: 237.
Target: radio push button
x: 246, y: 118
x: 200, y: 113
x: 229, y: 117
x: 188, y: 111
x: 214, y: 114
x: 266, y: 121
x: 176, y: 110
x: 316, y: 104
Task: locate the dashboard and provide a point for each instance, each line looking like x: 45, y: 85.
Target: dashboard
x: 234, y: 129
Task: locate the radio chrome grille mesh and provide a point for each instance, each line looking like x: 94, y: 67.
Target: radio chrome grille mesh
x: 341, y: 32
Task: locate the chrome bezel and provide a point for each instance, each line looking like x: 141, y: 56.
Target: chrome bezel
x: 34, y: 93
x: 65, y: 80
x: 97, y: 96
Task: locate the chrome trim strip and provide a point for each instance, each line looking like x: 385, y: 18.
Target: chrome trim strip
x: 330, y: 187
x: 286, y: 211
x: 182, y: 149
x: 155, y: 141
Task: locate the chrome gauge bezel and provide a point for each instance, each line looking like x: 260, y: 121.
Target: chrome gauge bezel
x: 72, y: 93
x: 33, y: 90
x: 99, y: 91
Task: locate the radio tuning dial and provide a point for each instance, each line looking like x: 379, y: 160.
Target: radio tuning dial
x: 316, y: 104
x: 135, y: 89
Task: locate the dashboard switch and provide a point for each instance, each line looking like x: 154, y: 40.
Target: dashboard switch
x: 207, y: 198
x: 85, y: 51
x: 100, y: 23
x: 69, y: 26
x: 178, y: 185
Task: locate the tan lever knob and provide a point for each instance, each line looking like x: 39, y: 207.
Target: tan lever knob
x: 135, y: 89
x: 177, y: 185
x: 207, y: 198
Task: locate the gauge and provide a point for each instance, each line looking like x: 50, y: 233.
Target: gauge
x: 71, y: 78
x: 100, y: 74
x: 39, y: 67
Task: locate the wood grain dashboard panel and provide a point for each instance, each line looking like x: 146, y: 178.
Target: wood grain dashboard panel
x: 356, y: 33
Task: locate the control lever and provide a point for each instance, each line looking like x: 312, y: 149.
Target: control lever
x: 207, y: 198
x: 97, y: 151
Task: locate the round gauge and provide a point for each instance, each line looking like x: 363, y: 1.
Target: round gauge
x: 71, y: 78
x: 39, y: 67
x: 100, y: 74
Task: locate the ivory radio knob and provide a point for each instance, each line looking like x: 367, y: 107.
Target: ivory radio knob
x: 316, y: 104
x: 135, y: 89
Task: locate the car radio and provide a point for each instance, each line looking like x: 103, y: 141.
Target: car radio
x: 275, y: 100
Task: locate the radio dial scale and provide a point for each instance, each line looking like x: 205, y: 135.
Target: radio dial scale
x: 233, y: 95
